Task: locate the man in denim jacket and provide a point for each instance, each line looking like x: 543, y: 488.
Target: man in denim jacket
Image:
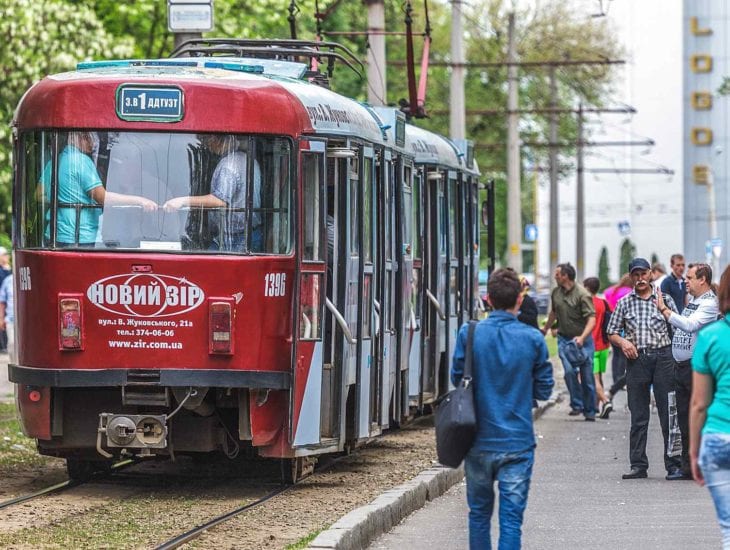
x: 511, y: 368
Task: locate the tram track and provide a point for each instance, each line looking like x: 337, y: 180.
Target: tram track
x: 196, y: 532
x: 65, y: 485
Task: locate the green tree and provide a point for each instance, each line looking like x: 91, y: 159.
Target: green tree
x: 628, y: 252
x: 654, y: 258
x: 40, y: 38
x: 603, y: 269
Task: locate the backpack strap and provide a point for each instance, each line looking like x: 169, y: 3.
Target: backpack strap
x: 469, y: 352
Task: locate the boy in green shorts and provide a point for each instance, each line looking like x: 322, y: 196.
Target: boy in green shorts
x: 600, y: 355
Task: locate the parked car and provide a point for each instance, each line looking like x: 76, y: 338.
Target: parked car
x: 542, y: 300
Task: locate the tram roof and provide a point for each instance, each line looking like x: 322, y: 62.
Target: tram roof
x: 430, y: 148
x: 236, y: 95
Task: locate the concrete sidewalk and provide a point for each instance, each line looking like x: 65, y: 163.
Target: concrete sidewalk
x: 578, y: 499
x: 358, y: 528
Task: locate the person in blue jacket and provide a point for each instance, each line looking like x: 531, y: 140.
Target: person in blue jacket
x: 511, y: 368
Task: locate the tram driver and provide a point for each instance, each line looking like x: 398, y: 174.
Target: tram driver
x: 81, y: 193
x: 228, y: 196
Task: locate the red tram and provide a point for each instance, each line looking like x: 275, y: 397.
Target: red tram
x: 214, y: 252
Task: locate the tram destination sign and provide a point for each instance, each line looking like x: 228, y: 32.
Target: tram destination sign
x: 151, y: 103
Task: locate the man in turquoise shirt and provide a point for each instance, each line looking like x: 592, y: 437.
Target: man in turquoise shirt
x: 79, y: 186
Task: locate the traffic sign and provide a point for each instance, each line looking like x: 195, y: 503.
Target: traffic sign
x: 531, y: 232
x: 716, y: 244
x: 189, y: 15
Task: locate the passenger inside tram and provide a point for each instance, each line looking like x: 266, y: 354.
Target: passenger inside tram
x: 81, y: 194
x: 227, y: 196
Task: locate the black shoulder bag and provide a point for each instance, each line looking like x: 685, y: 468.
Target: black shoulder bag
x: 456, y: 423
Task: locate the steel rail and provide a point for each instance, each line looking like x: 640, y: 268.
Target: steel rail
x: 68, y: 484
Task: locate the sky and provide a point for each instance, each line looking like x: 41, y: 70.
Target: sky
x: 651, y: 82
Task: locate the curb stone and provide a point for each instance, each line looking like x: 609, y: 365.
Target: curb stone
x: 358, y: 528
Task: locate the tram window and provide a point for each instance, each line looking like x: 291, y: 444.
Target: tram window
x: 453, y: 288
x: 367, y: 211
x: 408, y: 222
x: 417, y: 217
x: 367, y: 306
x: 452, y: 225
x: 313, y: 205
x: 310, y: 325
x: 156, y: 191
x: 34, y: 205
x: 442, y: 215
x: 354, y: 208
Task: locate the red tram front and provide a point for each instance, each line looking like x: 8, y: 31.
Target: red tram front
x: 214, y: 254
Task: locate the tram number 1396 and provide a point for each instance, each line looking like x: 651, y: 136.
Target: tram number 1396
x: 275, y: 284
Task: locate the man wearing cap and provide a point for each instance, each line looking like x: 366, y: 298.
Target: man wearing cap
x: 647, y: 345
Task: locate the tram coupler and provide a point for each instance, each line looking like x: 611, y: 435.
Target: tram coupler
x: 132, y: 431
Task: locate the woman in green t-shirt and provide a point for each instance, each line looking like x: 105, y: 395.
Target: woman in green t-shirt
x: 709, y: 421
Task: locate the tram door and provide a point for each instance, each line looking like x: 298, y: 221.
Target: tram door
x: 454, y: 291
x: 386, y: 345
x: 435, y: 286
x: 371, y: 364
x: 413, y: 265
x: 344, y: 166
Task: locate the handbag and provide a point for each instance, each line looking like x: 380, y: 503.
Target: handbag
x: 456, y: 423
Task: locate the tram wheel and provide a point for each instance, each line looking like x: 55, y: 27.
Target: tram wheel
x: 294, y: 470
x: 81, y: 470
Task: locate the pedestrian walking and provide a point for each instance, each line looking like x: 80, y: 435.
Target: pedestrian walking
x: 658, y: 273
x: 709, y: 422
x: 5, y: 271
x: 528, y: 309
x: 572, y: 307
x: 674, y: 284
x: 7, y: 314
x: 600, y: 340
x: 618, y: 360
x: 701, y: 310
x: 510, y: 369
x: 646, y: 343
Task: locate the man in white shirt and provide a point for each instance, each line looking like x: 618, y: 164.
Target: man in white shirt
x: 701, y: 309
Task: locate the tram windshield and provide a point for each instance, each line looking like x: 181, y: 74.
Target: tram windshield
x: 214, y: 193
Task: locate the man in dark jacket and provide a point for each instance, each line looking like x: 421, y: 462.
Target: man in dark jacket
x: 511, y: 368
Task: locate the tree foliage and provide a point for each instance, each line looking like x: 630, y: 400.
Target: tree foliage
x: 51, y: 36
x: 603, y: 269
x: 628, y: 253
x: 40, y: 38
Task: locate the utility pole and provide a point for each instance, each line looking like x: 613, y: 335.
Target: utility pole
x: 579, y: 202
x: 377, y: 86
x: 514, y: 220
x: 457, y: 120
x: 553, y: 164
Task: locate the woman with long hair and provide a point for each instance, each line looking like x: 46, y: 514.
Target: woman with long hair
x: 709, y: 420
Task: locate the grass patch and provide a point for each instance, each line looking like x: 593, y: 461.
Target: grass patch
x: 16, y: 450
x: 304, y: 542
x: 134, y: 522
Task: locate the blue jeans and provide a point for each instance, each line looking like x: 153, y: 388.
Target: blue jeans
x: 512, y: 471
x: 714, y: 461
x: 583, y: 391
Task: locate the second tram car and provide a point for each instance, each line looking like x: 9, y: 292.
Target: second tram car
x: 216, y: 253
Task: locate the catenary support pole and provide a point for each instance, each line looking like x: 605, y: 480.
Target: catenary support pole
x: 580, y: 222
x: 377, y: 83
x: 514, y: 221
x: 457, y: 121
x: 553, y: 163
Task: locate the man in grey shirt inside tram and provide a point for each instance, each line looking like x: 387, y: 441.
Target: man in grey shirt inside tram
x: 647, y: 346
x: 701, y: 309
